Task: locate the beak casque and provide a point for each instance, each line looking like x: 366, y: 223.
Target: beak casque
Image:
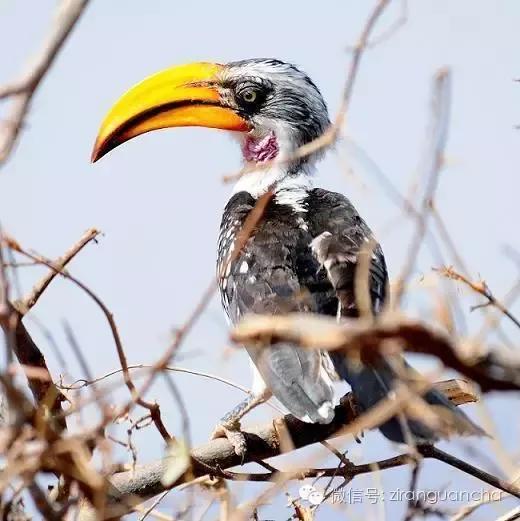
x: 176, y: 97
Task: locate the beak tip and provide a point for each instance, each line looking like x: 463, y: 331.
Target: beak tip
x: 99, y: 150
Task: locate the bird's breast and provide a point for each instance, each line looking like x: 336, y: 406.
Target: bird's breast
x: 274, y: 271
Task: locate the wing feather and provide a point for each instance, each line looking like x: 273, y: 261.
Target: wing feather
x: 341, y: 237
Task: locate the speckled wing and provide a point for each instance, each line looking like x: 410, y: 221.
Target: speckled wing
x: 342, y: 243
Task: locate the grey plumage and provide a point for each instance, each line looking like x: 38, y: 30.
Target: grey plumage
x: 287, y: 271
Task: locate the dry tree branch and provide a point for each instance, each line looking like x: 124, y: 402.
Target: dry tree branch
x: 43, y: 390
x: 5, y: 308
x: 29, y: 355
x: 357, y: 55
x: 492, y: 322
x: 82, y: 382
x: 467, y: 510
x: 60, y: 263
x: 438, y: 134
x: 512, y: 515
x: 392, y: 29
x: 370, y: 339
x: 265, y: 441
x: 413, y: 506
x: 8, y: 315
x: 136, y: 398
x: 27, y: 352
x: 445, y: 235
x: 146, y: 512
x: 482, y: 289
x: 78, y: 384
x: 23, y: 89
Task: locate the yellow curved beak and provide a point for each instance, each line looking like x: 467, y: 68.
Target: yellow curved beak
x: 176, y: 97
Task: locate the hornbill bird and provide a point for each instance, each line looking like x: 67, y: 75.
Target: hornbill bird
x: 302, y: 255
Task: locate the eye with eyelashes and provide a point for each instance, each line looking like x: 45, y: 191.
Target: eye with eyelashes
x: 251, y: 95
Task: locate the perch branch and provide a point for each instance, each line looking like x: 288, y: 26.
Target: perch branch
x: 132, y: 487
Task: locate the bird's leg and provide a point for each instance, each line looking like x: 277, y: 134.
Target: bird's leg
x: 229, y: 425
x: 354, y: 407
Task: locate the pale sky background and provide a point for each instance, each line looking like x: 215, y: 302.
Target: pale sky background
x: 158, y: 199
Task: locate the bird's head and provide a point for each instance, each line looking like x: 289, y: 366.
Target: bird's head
x: 272, y: 106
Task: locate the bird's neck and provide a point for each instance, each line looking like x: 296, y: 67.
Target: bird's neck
x: 277, y: 178
x: 268, y: 168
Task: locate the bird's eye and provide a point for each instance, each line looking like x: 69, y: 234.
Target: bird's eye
x: 249, y: 95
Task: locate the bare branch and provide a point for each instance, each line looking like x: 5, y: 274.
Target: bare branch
x: 433, y: 161
x: 369, y: 339
x: 59, y: 264
x: 130, y: 488
x: 482, y: 289
x: 23, y: 89
x: 136, y: 397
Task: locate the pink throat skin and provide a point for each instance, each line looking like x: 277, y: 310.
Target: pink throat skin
x: 260, y: 149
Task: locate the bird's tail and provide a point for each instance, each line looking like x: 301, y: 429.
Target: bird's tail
x: 296, y: 378
x: 371, y: 384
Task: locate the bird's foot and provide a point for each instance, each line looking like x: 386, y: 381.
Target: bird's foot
x: 231, y: 431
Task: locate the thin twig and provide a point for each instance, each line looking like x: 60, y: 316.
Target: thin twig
x: 467, y: 510
x: 136, y: 398
x: 429, y: 451
x: 23, y: 89
x: 59, y: 264
x: 7, y: 312
x: 262, y: 442
x: 412, y: 501
x: 154, y: 505
x: 438, y: 134
x: 78, y: 384
x: 482, y: 289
